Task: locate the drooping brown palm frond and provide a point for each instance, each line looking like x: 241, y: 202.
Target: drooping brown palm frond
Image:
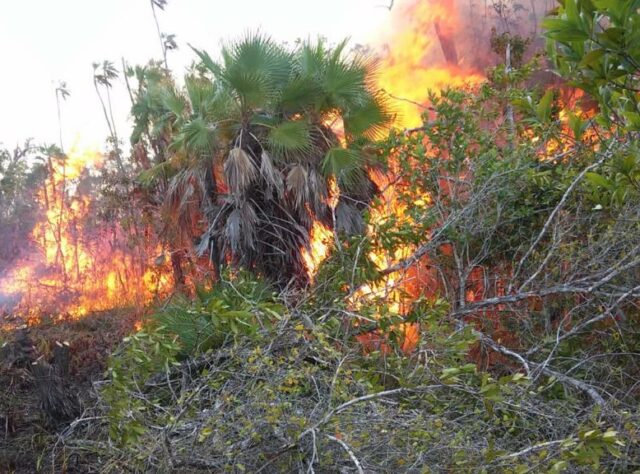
x: 240, y: 172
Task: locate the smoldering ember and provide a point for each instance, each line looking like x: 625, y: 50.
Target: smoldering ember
x: 418, y: 253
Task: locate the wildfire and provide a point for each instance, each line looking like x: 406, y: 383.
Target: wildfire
x: 320, y: 240
x: 421, y: 56
x: 78, y: 267
x: 399, y: 289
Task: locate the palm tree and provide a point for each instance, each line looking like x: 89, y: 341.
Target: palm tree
x: 103, y: 75
x: 167, y: 42
x: 62, y: 92
x: 255, y: 146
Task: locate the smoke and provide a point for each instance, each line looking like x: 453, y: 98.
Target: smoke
x: 431, y: 45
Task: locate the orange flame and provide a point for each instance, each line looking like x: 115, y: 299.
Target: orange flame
x: 417, y: 60
x: 419, y: 57
x: 77, y: 270
x: 320, y: 240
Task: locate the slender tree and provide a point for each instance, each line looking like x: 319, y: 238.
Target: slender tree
x: 161, y: 4
x: 103, y: 75
x: 62, y: 92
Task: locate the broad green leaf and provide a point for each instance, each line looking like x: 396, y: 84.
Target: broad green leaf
x: 598, y: 180
x: 543, y: 109
x: 293, y: 135
x: 592, y: 57
x: 340, y: 161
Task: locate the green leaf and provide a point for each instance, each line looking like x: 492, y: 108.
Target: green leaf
x: 571, y: 10
x: 628, y: 164
x: 370, y: 119
x: 209, y: 63
x: 543, y: 109
x: 341, y: 163
x: 173, y: 101
x: 290, y: 136
x: 578, y: 126
x: 196, y: 135
x: 204, y: 434
x: 633, y: 120
x: 591, y: 58
x: 568, y: 34
x: 598, y: 180
x: 299, y: 93
x: 449, y: 372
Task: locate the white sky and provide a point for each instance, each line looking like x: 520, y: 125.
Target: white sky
x: 45, y: 41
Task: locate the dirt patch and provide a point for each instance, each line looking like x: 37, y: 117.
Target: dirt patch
x: 46, y: 373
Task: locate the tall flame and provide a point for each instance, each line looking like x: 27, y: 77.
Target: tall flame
x: 421, y: 56
x: 76, y: 267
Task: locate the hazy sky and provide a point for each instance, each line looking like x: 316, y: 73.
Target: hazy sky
x: 44, y: 41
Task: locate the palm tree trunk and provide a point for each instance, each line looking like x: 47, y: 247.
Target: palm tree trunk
x: 116, y: 142
x: 59, y: 120
x: 111, y: 130
x: 126, y: 81
x: 113, y: 122
x: 164, y: 50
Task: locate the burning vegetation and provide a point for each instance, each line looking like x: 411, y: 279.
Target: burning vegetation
x: 76, y: 263
x: 421, y: 259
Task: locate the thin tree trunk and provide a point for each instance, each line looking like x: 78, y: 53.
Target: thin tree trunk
x: 164, y: 50
x: 63, y: 201
x: 509, y: 111
x: 111, y: 130
x: 59, y: 120
x: 177, y: 257
x: 446, y: 35
x: 126, y: 81
x: 113, y: 122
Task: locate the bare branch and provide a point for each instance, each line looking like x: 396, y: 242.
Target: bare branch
x: 349, y: 452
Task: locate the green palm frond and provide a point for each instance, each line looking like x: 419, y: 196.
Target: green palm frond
x: 338, y: 50
x: 151, y: 175
x: 138, y: 130
x: 345, y: 85
x: 221, y: 107
x: 193, y: 328
x: 311, y: 58
x: 208, y: 62
x: 200, y: 92
x: 254, y: 69
x: 173, y: 101
x: 371, y: 119
x: 300, y: 93
x: 290, y: 136
x: 159, y: 126
x: 344, y: 81
x: 253, y: 89
x: 258, y: 53
x: 340, y: 162
x: 196, y: 135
